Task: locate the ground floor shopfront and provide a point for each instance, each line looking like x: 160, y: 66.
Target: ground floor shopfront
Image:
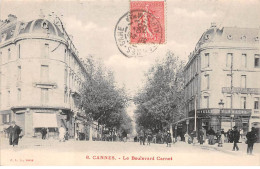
x: 218, y: 119
x: 33, y: 119
x: 221, y: 119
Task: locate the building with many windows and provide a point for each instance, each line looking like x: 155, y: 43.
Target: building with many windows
x: 40, y: 76
x: 225, y: 65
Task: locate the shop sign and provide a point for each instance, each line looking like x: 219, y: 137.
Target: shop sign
x: 224, y: 111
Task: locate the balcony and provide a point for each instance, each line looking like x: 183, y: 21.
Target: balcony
x: 241, y: 90
x: 48, y: 85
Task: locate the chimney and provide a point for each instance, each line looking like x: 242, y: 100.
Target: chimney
x: 11, y: 18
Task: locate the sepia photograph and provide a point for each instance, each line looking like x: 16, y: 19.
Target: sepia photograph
x: 129, y: 83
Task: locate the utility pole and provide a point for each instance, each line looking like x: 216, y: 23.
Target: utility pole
x: 195, y: 140
x: 195, y: 118
x: 231, y: 106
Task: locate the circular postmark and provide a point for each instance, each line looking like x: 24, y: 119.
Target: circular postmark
x: 137, y: 33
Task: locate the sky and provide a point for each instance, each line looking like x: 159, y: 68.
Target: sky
x: 92, y: 24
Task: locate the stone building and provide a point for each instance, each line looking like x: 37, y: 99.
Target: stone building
x: 224, y: 59
x: 40, y: 76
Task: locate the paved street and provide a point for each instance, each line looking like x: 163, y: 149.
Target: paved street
x: 52, y: 152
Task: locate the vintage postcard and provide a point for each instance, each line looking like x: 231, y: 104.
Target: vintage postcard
x: 129, y: 82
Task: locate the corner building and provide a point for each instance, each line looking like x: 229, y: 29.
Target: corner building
x: 40, y: 77
x: 224, y: 59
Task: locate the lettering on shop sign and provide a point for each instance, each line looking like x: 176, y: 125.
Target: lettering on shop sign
x: 225, y: 111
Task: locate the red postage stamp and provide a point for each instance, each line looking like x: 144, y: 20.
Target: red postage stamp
x: 147, y: 22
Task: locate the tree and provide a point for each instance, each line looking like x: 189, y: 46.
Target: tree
x: 101, y: 99
x: 159, y: 102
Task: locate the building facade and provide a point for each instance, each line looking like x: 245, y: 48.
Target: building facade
x: 225, y: 65
x: 40, y: 76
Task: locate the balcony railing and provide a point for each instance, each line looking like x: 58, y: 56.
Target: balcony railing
x: 241, y: 90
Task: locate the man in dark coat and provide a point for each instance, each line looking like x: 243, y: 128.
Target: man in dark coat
x: 211, y: 134
x: 44, y: 132
x: 251, y: 139
x: 15, y: 131
x: 201, y: 134
x: 236, y: 137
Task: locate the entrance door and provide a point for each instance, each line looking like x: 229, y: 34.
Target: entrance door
x: 20, y: 120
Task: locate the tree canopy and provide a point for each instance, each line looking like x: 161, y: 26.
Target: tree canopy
x: 102, y: 100
x: 159, y: 102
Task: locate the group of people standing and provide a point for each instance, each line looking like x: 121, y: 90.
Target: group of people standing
x: 232, y: 136
x: 147, y: 136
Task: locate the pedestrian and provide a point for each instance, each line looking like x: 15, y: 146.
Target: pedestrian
x: 149, y: 136
x: 14, y: 134
x: 201, y: 134
x: 218, y: 134
x: 124, y: 135
x: 168, y: 139
x: 236, y: 137
x: 142, y: 137
x: 66, y: 137
x: 61, y: 134
x: 193, y: 135
x: 211, y: 134
x: 251, y: 139
x: 44, y: 133
x: 229, y: 136
x: 241, y: 132
x: 186, y: 136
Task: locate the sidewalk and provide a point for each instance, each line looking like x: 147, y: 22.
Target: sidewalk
x: 28, y: 142
x: 227, y: 148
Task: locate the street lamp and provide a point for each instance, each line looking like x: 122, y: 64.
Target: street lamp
x: 221, y: 106
x: 187, y: 123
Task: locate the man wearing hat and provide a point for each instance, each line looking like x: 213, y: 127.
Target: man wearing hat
x: 236, y: 137
x: 15, y: 131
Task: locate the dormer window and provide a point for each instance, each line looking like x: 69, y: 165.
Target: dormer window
x: 243, y: 38
x: 207, y: 36
x: 45, y: 25
x: 3, y: 36
x: 12, y: 32
x: 229, y: 37
x: 22, y: 26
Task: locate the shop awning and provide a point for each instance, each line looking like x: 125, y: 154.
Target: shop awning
x: 44, y: 120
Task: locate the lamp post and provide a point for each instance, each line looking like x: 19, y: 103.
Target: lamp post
x: 232, y: 117
x: 221, y: 106
x: 187, y: 123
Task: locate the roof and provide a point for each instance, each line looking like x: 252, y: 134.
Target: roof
x: 38, y: 26
x: 229, y: 34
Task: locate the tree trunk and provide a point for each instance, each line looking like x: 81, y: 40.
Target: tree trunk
x: 90, y: 131
x: 171, y: 131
